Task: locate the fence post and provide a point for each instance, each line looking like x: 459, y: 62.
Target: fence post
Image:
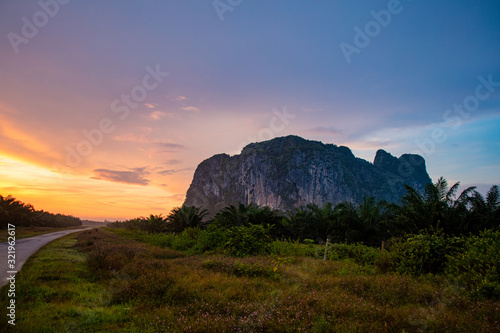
x: 326, y: 248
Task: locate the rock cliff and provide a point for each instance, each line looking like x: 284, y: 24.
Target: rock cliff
x: 288, y: 172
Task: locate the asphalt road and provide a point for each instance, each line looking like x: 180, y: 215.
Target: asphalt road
x: 24, y: 248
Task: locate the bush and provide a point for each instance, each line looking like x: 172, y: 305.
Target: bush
x: 97, y: 257
x: 477, y: 268
x: 211, y: 239
x: 153, y: 286
x: 161, y: 240
x: 385, y: 262
x: 248, y: 240
x: 359, y: 253
x: 425, y: 253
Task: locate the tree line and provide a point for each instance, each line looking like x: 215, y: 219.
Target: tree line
x: 440, y: 207
x: 21, y: 214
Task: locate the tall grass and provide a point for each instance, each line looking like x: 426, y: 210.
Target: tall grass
x: 144, y: 288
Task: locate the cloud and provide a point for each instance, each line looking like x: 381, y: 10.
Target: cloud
x: 135, y: 176
x: 167, y: 172
x: 133, y: 137
x: 190, y: 108
x: 173, y: 162
x: 180, y: 98
x: 157, y: 115
x: 151, y: 106
x: 169, y: 146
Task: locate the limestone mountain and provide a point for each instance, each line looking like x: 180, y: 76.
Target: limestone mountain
x: 290, y: 171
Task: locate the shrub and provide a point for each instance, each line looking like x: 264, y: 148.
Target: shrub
x: 154, y: 286
x: 478, y: 266
x: 161, y: 240
x: 185, y: 240
x: 385, y: 261
x: 211, y: 239
x: 424, y: 253
x: 248, y: 240
x: 96, y: 258
x: 289, y: 248
x: 359, y: 253
x: 250, y: 267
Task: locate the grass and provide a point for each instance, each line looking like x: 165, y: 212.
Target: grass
x: 100, y: 281
x: 25, y: 232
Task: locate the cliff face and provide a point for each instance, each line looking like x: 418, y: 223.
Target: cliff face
x: 288, y: 172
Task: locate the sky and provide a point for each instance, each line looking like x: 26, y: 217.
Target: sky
x: 107, y: 107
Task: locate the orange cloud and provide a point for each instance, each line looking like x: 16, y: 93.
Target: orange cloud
x: 190, y: 108
x: 180, y: 98
x: 157, y: 115
x: 83, y: 196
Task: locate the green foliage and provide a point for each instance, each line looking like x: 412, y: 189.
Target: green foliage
x: 154, y: 224
x: 249, y: 267
x: 152, y: 285
x: 368, y: 222
x: 359, y: 253
x: 186, y: 240
x: 248, y: 240
x: 185, y: 217
x: 244, y: 215
x: 424, y: 253
x: 211, y: 239
x: 477, y: 267
x: 289, y: 248
x: 484, y: 212
x: 96, y: 258
x: 149, y: 289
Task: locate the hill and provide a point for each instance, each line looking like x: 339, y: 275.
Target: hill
x: 290, y: 171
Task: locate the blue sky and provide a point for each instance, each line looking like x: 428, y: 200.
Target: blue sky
x: 227, y: 81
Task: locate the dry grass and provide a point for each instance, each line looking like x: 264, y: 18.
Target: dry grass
x: 167, y: 291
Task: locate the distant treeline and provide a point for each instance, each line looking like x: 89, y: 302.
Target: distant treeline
x: 371, y: 222
x: 24, y: 215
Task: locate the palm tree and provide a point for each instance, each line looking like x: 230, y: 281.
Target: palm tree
x: 297, y: 224
x: 368, y: 223
x: 322, y: 220
x: 154, y: 224
x: 15, y: 212
x: 485, y: 212
x: 232, y: 216
x: 185, y: 217
x: 244, y: 215
x: 438, y: 207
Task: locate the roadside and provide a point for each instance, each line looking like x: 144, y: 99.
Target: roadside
x: 19, y: 250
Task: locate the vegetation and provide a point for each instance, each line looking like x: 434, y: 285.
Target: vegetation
x: 100, y: 281
x: 430, y: 264
x: 24, y: 215
x: 371, y: 222
x: 423, y: 235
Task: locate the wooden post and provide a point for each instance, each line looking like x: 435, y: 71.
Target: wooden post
x: 326, y: 247
x: 383, y: 246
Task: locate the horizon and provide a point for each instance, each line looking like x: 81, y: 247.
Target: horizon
x: 482, y: 188
x: 106, y: 109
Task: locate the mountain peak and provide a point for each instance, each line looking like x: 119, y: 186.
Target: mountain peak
x: 290, y: 171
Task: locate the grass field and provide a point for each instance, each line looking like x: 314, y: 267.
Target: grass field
x: 99, y: 281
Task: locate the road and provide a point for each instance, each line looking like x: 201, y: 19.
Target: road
x: 24, y: 248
